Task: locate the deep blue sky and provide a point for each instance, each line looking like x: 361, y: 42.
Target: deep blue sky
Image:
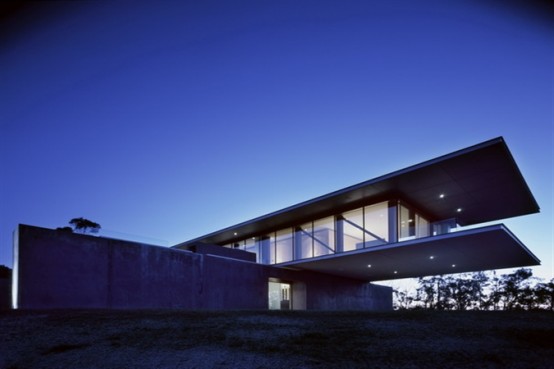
x: 170, y: 120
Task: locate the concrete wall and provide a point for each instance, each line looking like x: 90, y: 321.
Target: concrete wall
x: 64, y: 270
x: 317, y: 291
x: 201, y: 248
x: 5, y: 293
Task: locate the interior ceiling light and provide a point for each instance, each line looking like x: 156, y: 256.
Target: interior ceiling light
x: 396, y: 272
x: 453, y: 265
x: 431, y: 257
x: 369, y: 265
x: 441, y: 196
x: 459, y: 210
x: 234, y: 234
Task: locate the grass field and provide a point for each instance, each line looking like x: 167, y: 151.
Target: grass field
x: 174, y: 339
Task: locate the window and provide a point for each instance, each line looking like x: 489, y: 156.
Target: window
x: 303, y: 241
x: 352, y: 224
x: 283, y: 246
x: 411, y: 224
x: 376, y: 223
x: 252, y: 245
x: 324, y: 236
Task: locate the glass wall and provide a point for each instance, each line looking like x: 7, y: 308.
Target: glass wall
x: 283, y: 246
x: 406, y: 229
x: 324, y: 236
x: 352, y: 226
x: 303, y: 241
x: 252, y: 245
x: 411, y: 224
x: 376, y: 224
x: 267, y: 249
x: 364, y: 227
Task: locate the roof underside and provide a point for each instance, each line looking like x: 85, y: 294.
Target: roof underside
x: 482, y: 180
x: 493, y: 247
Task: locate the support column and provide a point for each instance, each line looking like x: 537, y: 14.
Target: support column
x: 265, y: 250
x: 339, y: 227
x: 393, y: 221
x: 297, y: 243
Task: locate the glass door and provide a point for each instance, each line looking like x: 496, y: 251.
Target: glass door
x: 279, y: 296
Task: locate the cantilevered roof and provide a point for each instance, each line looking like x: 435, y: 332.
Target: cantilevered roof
x: 480, y: 183
x: 492, y: 247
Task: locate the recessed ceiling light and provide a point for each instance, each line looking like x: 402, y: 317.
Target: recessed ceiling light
x: 441, y: 196
x: 459, y: 210
x: 431, y: 257
x: 453, y: 265
x: 396, y: 272
x: 369, y: 265
x: 234, y: 234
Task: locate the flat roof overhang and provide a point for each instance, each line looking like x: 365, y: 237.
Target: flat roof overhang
x: 482, y: 180
x: 486, y: 248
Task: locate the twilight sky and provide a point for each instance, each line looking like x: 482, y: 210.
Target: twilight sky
x: 168, y: 120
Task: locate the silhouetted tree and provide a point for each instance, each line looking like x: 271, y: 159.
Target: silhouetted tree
x: 403, y: 299
x: 515, y: 289
x: 5, y: 272
x: 425, y: 293
x: 432, y: 292
x: 65, y: 229
x: 460, y: 292
x: 480, y: 290
x: 482, y: 282
x: 544, y: 293
x: 84, y: 225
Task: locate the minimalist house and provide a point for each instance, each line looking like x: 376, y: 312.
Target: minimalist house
x: 324, y: 253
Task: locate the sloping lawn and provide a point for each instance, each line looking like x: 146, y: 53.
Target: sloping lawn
x: 306, y: 339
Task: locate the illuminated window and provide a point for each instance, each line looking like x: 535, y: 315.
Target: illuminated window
x: 324, y: 236
x: 283, y: 246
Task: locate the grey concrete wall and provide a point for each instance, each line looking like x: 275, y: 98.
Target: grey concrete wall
x: 5, y: 293
x: 152, y: 277
x: 201, y: 248
x: 64, y: 270
x: 326, y: 292
x: 230, y: 284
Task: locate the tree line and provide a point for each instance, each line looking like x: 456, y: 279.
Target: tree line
x: 519, y: 290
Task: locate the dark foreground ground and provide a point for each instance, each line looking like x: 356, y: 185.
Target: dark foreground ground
x: 170, y: 339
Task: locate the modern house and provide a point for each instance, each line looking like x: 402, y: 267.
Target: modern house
x: 324, y: 253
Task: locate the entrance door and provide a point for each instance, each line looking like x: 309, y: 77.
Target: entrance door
x: 279, y: 295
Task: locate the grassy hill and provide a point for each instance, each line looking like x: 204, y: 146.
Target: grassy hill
x: 303, y: 339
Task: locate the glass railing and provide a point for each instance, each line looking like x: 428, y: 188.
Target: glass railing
x: 107, y: 233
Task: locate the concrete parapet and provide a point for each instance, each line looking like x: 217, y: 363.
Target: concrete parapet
x: 5, y: 293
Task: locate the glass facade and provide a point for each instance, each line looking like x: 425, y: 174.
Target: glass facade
x: 376, y: 223
x: 352, y: 226
x: 252, y: 245
x: 411, y: 224
x: 324, y: 236
x: 364, y: 227
x: 303, y: 240
x: 283, y: 246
